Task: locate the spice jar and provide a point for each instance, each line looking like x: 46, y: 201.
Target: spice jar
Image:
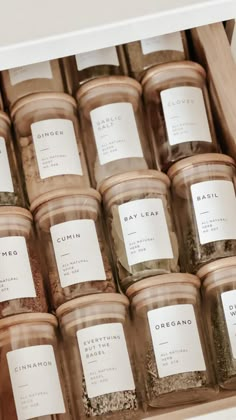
x: 71, y: 234
x: 98, y: 352
x: 219, y: 291
x: 31, y: 384
x: 90, y: 65
x: 1, y: 103
x: 139, y: 219
x: 172, y: 352
x: 21, y: 282
x: 205, y: 208
x: 143, y: 54
x: 112, y: 122
x: 10, y: 186
x: 33, y: 78
x: 49, y: 141
x: 178, y: 111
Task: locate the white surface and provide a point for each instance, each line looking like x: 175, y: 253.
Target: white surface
x: 228, y: 414
x: 36, y: 31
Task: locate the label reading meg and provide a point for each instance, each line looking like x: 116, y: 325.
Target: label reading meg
x: 145, y: 230
x: 16, y: 280
x: 185, y: 115
x: 56, y: 148
x: 169, y: 42
x: 215, y: 208
x: 35, y: 382
x: 32, y: 71
x: 107, y: 56
x: 77, y: 252
x: 105, y: 359
x: 175, y: 339
x: 229, y: 305
x: 6, y: 184
x: 115, y: 132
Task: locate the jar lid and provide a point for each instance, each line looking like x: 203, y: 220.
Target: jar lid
x: 204, y: 158
x: 220, y: 264
x: 64, y: 192
x: 109, y: 80
x: 161, y: 280
x: 129, y: 176
x: 15, y: 211
x: 90, y: 299
x: 28, y: 318
x: 35, y: 97
x: 182, y: 65
x: 4, y: 116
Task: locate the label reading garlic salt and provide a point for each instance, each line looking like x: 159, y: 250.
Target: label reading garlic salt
x: 6, y: 184
x: 115, y: 132
x: 32, y: 71
x: 56, y: 148
x: 105, y: 359
x: 35, y: 382
x: 104, y: 56
x: 77, y: 252
x: 175, y: 339
x: 185, y: 115
x: 16, y: 280
x: 169, y: 42
x: 215, y: 208
x: 229, y: 305
x: 145, y: 230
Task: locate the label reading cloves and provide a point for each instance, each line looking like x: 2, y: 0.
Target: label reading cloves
x: 229, y: 305
x: 6, y: 184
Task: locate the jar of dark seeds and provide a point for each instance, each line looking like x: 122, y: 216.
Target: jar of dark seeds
x: 139, y: 220
x: 11, y: 193
x: 219, y: 291
x: 178, y: 111
x: 172, y: 354
x: 98, y: 353
x: 143, y: 54
x: 205, y: 206
x: 72, y: 239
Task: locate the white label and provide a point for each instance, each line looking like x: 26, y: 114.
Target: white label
x: 215, y: 209
x: 32, y: 71
x: 77, y: 252
x: 105, y: 359
x: 6, y: 184
x: 145, y: 230
x: 56, y: 148
x: 229, y: 305
x: 233, y: 44
x: 115, y: 132
x: 16, y: 280
x: 107, y: 56
x: 35, y: 382
x: 176, y: 340
x: 228, y: 414
x: 169, y: 42
x: 185, y: 115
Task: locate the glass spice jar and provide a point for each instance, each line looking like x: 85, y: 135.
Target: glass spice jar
x: 33, y: 78
x: 48, y: 136
x: 113, y: 126
x: 21, y: 281
x: 219, y: 292
x: 90, y: 65
x: 1, y: 102
x: 143, y: 54
x: 205, y: 207
x: 31, y: 382
x: 11, y: 193
x: 139, y: 220
x: 178, y: 112
x: 98, y: 351
x: 171, y: 347
x: 71, y: 233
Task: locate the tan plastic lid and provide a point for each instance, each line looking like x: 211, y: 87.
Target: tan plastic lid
x: 4, y: 116
x: 15, y: 211
x: 89, y: 300
x: 35, y: 97
x: 129, y: 176
x: 215, y: 266
x: 108, y: 81
x: 182, y: 65
x: 202, y: 159
x: 28, y: 319
x: 62, y: 193
x: 161, y: 280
